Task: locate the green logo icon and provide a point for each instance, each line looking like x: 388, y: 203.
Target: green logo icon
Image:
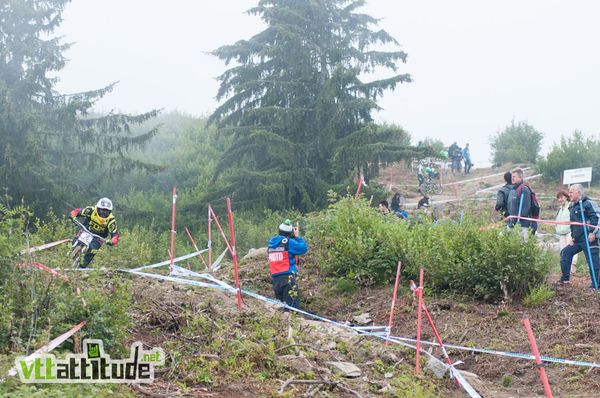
x: 93, y: 350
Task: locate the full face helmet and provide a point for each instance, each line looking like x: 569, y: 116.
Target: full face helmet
x: 104, y: 207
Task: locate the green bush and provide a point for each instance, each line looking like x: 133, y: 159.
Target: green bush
x: 572, y: 153
x: 36, y: 307
x: 538, y: 295
x: 352, y: 240
x: 517, y: 143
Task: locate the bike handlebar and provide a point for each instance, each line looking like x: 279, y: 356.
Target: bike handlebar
x: 75, y: 221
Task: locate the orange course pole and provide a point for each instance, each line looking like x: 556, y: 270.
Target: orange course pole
x: 419, y: 311
x: 360, y: 184
x: 234, y: 254
x: 172, y: 252
x: 538, y: 359
x: 214, y: 216
x: 394, y: 296
x: 187, y: 231
x: 209, y: 237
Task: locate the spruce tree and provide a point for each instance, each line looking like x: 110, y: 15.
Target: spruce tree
x: 50, y: 141
x: 298, y: 108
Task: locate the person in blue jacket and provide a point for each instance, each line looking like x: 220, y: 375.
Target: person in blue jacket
x: 580, y: 203
x: 284, y: 249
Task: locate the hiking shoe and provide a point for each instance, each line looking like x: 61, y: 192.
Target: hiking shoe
x: 560, y: 284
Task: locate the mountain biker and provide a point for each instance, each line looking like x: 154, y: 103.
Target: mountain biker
x: 101, y: 221
x: 430, y: 172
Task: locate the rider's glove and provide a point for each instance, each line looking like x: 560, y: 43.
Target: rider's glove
x: 74, y: 213
x: 114, y: 240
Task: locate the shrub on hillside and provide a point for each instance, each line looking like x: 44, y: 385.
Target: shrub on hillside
x: 573, y: 152
x: 352, y: 240
x: 517, y: 143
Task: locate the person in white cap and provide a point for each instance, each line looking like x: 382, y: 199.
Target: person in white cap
x: 283, y: 250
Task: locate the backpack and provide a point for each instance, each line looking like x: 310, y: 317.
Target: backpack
x: 534, y: 212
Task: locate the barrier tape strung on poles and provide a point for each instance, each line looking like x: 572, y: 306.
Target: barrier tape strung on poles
x: 503, y: 353
x: 554, y: 222
x: 395, y: 339
x: 43, y: 247
x: 359, y: 330
x: 167, y: 262
x: 50, y: 346
x: 49, y: 270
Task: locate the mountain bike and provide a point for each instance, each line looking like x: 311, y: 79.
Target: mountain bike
x: 81, y: 243
x: 429, y: 186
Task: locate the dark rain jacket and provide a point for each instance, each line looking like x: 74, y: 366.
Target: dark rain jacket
x: 590, y: 215
x: 514, y: 202
x: 502, y: 198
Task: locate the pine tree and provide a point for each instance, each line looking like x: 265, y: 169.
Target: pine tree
x: 297, y: 107
x: 48, y: 139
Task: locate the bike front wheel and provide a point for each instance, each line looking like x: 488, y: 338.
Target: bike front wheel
x: 76, y: 255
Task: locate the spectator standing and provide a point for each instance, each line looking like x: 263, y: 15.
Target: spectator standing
x: 564, y: 231
x: 453, y: 150
x: 284, y: 249
x: 395, y: 205
x: 466, y: 154
x: 502, y: 195
x: 581, y: 209
x: 519, y: 201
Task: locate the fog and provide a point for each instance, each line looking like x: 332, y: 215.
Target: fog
x: 476, y: 65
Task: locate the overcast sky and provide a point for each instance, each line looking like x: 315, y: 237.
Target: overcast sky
x: 476, y: 64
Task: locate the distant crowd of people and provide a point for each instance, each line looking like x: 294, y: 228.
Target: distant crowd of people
x: 457, y: 156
